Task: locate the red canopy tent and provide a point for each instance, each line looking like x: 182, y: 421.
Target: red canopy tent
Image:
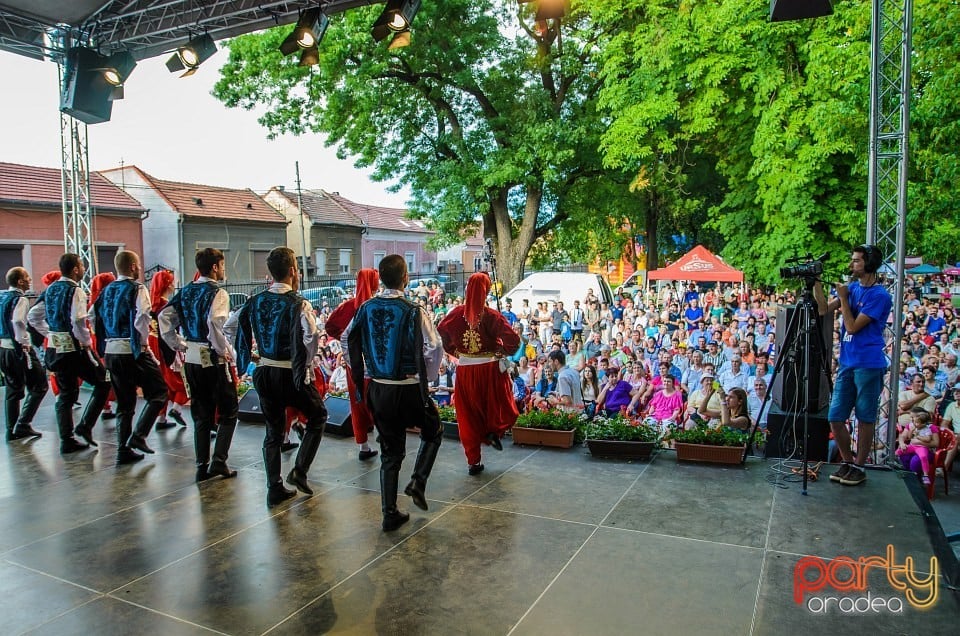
x: 699, y: 264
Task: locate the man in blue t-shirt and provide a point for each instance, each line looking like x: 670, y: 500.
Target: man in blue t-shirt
x: 864, y: 306
x: 692, y: 314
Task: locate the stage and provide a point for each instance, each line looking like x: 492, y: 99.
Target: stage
x: 544, y: 541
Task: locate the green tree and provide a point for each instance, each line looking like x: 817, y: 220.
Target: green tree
x: 487, y: 117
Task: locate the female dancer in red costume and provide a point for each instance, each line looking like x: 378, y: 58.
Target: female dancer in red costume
x: 338, y: 326
x: 162, y: 286
x: 483, y: 395
x: 97, y: 285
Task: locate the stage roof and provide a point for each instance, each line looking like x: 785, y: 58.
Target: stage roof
x: 144, y: 27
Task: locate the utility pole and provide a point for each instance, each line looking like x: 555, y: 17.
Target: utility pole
x: 303, y: 231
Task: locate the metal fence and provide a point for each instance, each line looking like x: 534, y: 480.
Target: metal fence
x: 453, y: 283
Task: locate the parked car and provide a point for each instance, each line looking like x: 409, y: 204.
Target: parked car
x: 448, y: 285
x: 332, y: 295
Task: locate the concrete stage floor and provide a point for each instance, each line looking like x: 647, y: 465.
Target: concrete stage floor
x: 543, y: 542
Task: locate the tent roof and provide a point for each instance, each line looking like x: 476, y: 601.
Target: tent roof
x: 699, y: 264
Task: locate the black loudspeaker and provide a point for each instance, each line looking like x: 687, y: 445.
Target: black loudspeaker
x: 782, y: 10
x: 338, y: 416
x: 249, y: 408
x: 86, y: 94
x: 788, y: 384
x: 785, y: 435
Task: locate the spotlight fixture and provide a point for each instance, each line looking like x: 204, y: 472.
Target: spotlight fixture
x: 118, y: 68
x: 305, y: 37
x: 784, y: 10
x: 192, y: 54
x: 395, y: 18
x: 86, y: 94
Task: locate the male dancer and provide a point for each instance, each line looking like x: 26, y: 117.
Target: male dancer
x: 395, y: 342
x: 122, y: 326
x: 19, y: 363
x: 61, y: 317
x: 480, y: 337
x: 283, y: 325
x: 338, y: 326
x: 200, y: 310
x: 864, y: 306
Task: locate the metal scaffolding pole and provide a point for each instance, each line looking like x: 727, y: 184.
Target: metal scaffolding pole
x: 890, y: 51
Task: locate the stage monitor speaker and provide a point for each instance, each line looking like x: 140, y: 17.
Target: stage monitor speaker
x: 338, y: 416
x: 86, y: 96
x: 782, y: 10
x: 249, y: 408
x: 788, y: 384
x: 785, y: 432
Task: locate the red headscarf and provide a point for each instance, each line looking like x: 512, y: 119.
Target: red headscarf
x: 160, y: 283
x: 368, y: 280
x: 98, y: 283
x: 50, y: 278
x: 478, y: 286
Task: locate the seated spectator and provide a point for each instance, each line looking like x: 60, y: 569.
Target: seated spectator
x: 546, y: 383
x: 733, y: 409
x: 666, y: 406
x: 734, y: 375
x: 519, y: 390
x: 615, y: 395
x: 755, y: 402
x: 914, y: 396
x: 443, y: 387
x: 338, y: 379
x: 917, y: 443
x: 590, y: 388
x: 704, y: 403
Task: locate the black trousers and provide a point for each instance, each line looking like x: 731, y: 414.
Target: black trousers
x: 396, y: 407
x: 69, y: 369
x: 126, y: 374
x: 276, y: 391
x: 22, y: 382
x: 212, y: 394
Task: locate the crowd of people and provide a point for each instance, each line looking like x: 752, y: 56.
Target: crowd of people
x: 680, y: 356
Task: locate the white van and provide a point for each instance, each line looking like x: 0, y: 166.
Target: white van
x: 553, y: 286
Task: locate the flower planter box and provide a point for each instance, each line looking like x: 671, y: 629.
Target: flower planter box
x: 543, y: 437
x: 711, y: 454
x: 451, y: 430
x: 620, y: 449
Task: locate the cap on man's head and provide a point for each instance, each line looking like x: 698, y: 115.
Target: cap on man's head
x: 956, y: 387
x: 706, y: 376
x: 712, y: 342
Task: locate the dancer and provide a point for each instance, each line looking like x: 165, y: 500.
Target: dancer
x: 162, y: 287
x: 338, y: 326
x: 122, y: 325
x: 480, y: 337
x: 61, y: 317
x: 97, y: 285
x: 200, y: 310
x: 23, y: 374
x: 396, y: 343
x: 283, y: 324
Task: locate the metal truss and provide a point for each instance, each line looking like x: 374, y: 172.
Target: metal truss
x: 890, y: 51
x: 75, y: 192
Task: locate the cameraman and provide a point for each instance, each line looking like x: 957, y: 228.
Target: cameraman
x: 864, y: 307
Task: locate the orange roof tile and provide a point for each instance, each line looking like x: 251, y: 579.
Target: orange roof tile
x: 36, y: 186
x: 378, y: 217
x: 321, y: 208
x: 215, y: 202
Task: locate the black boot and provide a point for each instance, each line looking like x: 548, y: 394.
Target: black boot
x: 203, y: 474
x: 426, y: 457
x: 277, y: 493
x: 140, y: 444
x: 298, y: 478
x: 306, y: 454
x: 126, y: 455
x: 389, y: 481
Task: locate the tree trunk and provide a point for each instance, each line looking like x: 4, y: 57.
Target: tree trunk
x: 511, y: 251
x: 650, y: 225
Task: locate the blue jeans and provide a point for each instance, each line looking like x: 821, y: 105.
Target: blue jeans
x: 856, y: 390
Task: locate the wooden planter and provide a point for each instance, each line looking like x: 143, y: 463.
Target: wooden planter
x: 711, y: 454
x: 451, y: 430
x: 542, y: 437
x: 618, y: 449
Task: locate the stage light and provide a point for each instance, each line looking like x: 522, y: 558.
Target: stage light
x: 305, y: 37
x: 118, y: 68
x: 192, y: 54
x: 86, y: 94
x: 783, y: 10
x: 396, y: 17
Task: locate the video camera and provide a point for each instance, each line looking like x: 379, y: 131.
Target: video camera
x: 806, y: 267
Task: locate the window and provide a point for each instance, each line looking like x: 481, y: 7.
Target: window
x: 258, y: 264
x: 105, y: 257
x: 411, y: 258
x: 344, y: 262
x: 377, y: 257
x: 11, y: 256
x: 320, y: 257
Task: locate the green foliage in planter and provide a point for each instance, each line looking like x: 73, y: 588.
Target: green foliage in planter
x: 703, y: 434
x: 553, y: 420
x: 621, y: 429
x: 447, y: 413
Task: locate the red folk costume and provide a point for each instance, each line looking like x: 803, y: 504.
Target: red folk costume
x: 367, y: 282
x: 49, y: 279
x: 483, y: 395
x: 97, y: 284
x: 176, y: 389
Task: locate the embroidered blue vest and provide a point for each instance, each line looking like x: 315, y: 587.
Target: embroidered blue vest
x: 116, y: 310
x: 193, y: 304
x: 8, y: 301
x: 273, y: 321
x: 57, y: 305
x: 387, y: 337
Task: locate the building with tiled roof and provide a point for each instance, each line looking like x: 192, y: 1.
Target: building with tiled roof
x: 31, y: 215
x: 186, y: 217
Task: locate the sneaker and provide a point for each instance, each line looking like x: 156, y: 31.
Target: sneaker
x: 854, y: 477
x: 840, y: 473
x: 926, y: 480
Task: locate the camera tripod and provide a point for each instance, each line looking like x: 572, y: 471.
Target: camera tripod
x: 803, y: 332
